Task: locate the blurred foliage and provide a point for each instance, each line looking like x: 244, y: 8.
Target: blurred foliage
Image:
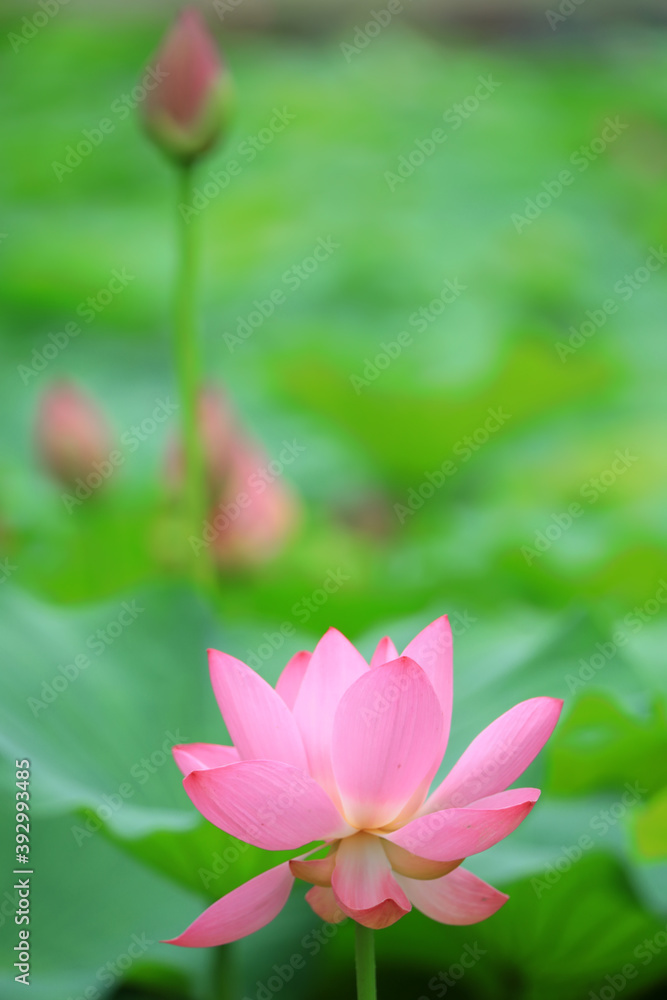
x: 583, y: 619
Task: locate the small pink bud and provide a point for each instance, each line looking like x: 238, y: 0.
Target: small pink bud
x: 217, y: 429
x: 259, y: 512
x: 189, y: 105
x: 71, y: 432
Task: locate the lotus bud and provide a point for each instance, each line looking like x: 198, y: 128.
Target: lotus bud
x: 188, y: 108
x: 217, y: 430
x: 72, y: 435
x: 253, y: 531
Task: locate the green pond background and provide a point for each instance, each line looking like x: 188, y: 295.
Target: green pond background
x: 542, y: 602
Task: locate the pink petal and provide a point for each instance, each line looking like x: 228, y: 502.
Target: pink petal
x: 289, y: 682
x: 334, y: 666
x: 317, y: 871
x: 199, y: 756
x: 323, y: 903
x: 404, y: 863
x: 363, y: 883
x: 240, y: 912
x: 259, y: 722
x: 386, y: 738
x: 266, y: 803
x: 510, y: 797
x: 499, y: 754
x: 455, y: 833
x: 457, y: 898
x: 432, y: 650
x: 385, y: 651
x: 191, y: 66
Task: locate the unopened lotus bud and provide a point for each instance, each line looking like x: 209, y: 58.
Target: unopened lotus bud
x: 217, y: 431
x: 188, y: 107
x: 73, y: 438
x: 256, y: 514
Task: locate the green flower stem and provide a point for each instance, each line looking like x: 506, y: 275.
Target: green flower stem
x: 188, y: 369
x: 365, y: 961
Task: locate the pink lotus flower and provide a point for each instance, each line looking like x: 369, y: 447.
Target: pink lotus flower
x: 72, y: 435
x: 344, y: 753
x: 188, y: 106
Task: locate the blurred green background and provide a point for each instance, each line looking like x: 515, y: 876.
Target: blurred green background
x: 542, y: 602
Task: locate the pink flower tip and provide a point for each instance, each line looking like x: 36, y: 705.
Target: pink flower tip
x: 72, y: 436
x: 188, y: 99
